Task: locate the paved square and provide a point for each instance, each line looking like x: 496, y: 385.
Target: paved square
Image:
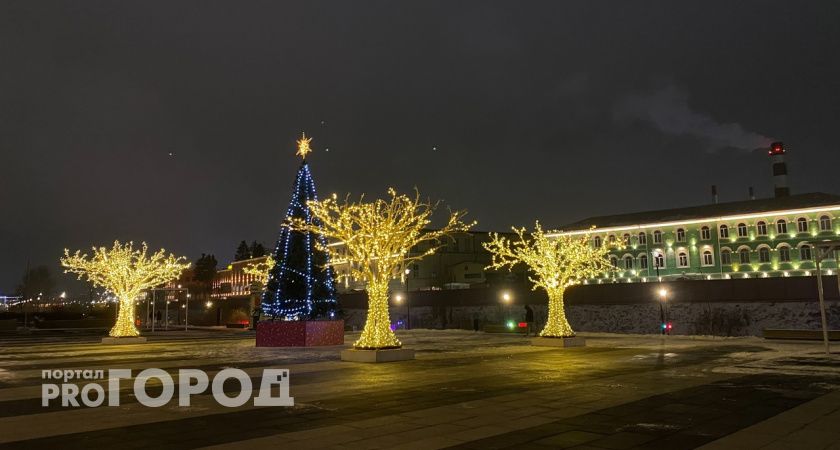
x: 463, y: 390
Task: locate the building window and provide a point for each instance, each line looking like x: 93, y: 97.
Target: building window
x: 597, y: 241
x: 682, y: 259
x: 614, y: 261
x: 724, y: 232
x: 708, y: 259
x: 781, y: 226
x: 643, y: 262
x: 680, y: 235
x: 802, y: 225
x: 726, y: 257
x: 627, y: 240
x: 657, y: 237
x: 658, y: 260
x: 825, y: 223
x: 642, y: 239
x: 744, y: 256
x: 805, y: 253
x: 611, y: 239
x: 628, y: 262
x: 761, y: 228
x: 784, y: 254
x: 764, y: 255
x: 705, y: 233
x: 742, y: 230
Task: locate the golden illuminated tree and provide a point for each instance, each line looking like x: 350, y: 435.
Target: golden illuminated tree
x: 125, y: 272
x: 260, y: 270
x: 557, y: 261
x: 377, y: 237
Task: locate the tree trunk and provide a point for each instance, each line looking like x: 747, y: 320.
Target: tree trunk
x: 557, y: 325
x: 125, y: 319
x: 377, y: 332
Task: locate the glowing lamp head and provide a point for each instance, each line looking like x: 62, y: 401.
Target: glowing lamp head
x: 777, y: 148
x: 663, y: 293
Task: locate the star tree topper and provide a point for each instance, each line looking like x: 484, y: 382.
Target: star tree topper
x: 303, y: 146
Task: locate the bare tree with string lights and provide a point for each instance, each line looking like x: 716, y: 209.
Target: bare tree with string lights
x: 126, y: 272
x: 377, y: 237
x: 556, y: 260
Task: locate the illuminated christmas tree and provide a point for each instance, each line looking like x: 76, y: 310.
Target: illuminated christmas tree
x: 300, y: 283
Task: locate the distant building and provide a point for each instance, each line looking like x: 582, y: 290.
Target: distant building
x: 232, y: 281
x: 745, y: 239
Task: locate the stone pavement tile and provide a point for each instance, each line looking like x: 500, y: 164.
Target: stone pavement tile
x: 622, y: 440
x: 782, y: 445
x: 429, y: 443
x: 773, y: 427
x: 474, y: 434
x: 374, y: 422
x: 812, y: 438
x: 741, y: 440
x: 482, y: 420
x: 825, y: 423
x: 569, y: 411
x: 449, y: 417
x: 569, y: 439
x: 525, y: 422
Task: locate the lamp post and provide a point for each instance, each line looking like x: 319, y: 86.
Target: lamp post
x: 822, y: 250
x: 663, y: 309
x: 407, y: 302
x: 507, y: 299
x: 398, y: 298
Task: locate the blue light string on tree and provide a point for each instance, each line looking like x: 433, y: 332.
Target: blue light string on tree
x: 300, y: 286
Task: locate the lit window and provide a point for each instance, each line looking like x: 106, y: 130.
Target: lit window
x: 825, y: 223
x: 742, y: 230
x: 705, y: 233
x: 643, y: 262
x: 611, y: 239
x: 781, y: 226
x: 642, y: 239
x: 627, y: 240
x: 614, y: 261
x: 682, y: 258
x: 805, y: 253
x: 597, y: 241
x: 708, y: 259
x: 628, y: 262
x: 726, y: 257
x: 744, y: 256
x: 680, y: 235
x: 657, y: 237
x: 764, y: 255
x: 784, y: 254
x: 658, y: 260
x: 761, y: 228
x: 724, y: 232
x: 802, y: 225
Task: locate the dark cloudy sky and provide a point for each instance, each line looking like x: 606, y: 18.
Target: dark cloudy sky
x: 550, y: 110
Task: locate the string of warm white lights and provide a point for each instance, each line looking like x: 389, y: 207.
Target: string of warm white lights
x: 377, y: 238
x: 557, y: 262
x: 125, y: 272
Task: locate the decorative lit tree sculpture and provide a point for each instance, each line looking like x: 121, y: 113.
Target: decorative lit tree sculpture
x: 125, y: 272
x: 377, y: 238
x: 557, y: 262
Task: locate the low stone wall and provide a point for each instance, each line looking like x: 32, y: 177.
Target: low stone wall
x: 720, y: 319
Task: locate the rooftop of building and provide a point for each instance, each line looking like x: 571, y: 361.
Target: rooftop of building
x: 711, y: 211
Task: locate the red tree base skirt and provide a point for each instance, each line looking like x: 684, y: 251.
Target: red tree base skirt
x: 300, y: 333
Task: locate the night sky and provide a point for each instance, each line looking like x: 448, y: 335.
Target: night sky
x: 514, y: 111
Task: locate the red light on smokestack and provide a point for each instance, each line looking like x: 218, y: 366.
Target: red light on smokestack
x: 777, y: 148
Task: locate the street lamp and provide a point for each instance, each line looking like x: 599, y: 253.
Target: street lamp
x: 663, y: 311
x: 823, y: 250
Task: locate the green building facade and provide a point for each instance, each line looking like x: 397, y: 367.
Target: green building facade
x: 746, y: 239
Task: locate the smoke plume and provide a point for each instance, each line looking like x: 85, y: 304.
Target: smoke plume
x: 668, y: 110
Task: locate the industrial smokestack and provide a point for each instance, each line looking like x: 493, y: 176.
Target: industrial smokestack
x: 714, y: 193
x: 752, y: 193
x: 777, y: 156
